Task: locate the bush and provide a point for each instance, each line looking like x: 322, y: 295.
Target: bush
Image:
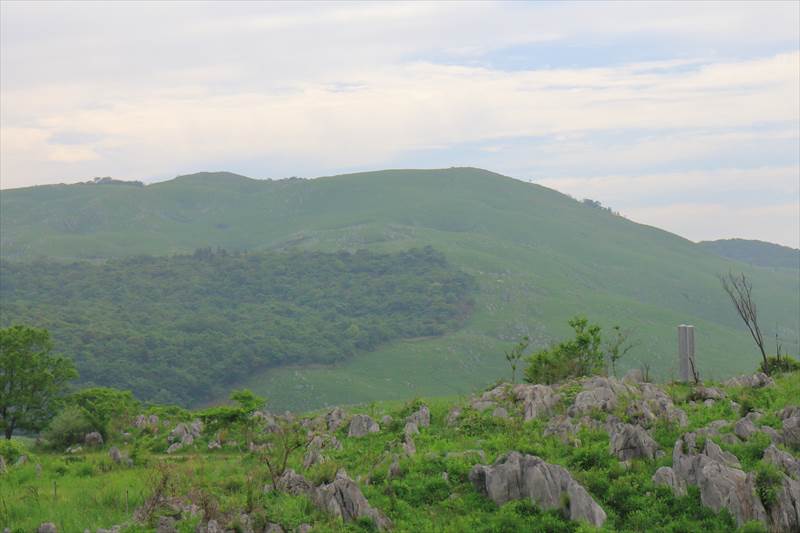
x: 101, y: 405
x: 781, y: 365
x: 69, y: 427
x: 10, y: 450
x: 768, y: 479
x: 580, y: 356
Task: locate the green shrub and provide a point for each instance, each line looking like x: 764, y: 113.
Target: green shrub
x: 69, y: 427
x: 102, y: 405
x: 580, y: 356
x: 782, y: 365
x: 768, y: 479
x: 10, y: 450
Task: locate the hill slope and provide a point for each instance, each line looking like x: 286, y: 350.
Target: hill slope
x: 758, y: 253
x: 538, y: 256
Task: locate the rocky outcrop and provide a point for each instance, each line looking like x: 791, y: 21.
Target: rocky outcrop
x: 342, y: 497
x: 515, y: 476
x: 632, y: 442
x: 745, y: 427
x: 756, y: 380
x: 184, y: 435
x: 422, y: 417
x: 783, y: 460
x: 598, y: 394
x: 537, y: 400
x: 362, y: 425
x: 784, y: 512
x: 335, y: 419
x: 453, y: 416
x: 115, y: 454
x: 791, y: 431
x: 719, y: 477
x: 666, y: 476
x: 708, y: 393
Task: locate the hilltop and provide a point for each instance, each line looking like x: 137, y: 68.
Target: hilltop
x: 537, y: 256
x: 758, y: 253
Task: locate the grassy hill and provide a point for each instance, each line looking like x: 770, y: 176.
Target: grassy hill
x: 758, y: 253
x: 538, y: 256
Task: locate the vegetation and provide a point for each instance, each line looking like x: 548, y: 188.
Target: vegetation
x: 536, y: 255
x: 88, y: 490
x: 581, y: 356
x: 758, y: 253
x: 32, y: 380
x: 185, y: 328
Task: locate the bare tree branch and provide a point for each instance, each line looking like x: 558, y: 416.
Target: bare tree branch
x: 740, y: 291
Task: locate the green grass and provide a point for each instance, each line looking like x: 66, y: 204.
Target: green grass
x: 539, y: 257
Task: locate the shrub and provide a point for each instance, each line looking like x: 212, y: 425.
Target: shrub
x: 768, y: 478
x: 580, y: 356
x: 68, y: 427
x: 101, y: 405
x: 781, y: 365
x: 10, y: 450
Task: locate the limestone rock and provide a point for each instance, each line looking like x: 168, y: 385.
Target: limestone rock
x: 482, y: 405
x: 666, y: 476
x: 394, y: 468
x: 791, y: 431
x: 633, y: 376
x: 783, y: 460
x: 408, y: 445
x: 453, y: 416
x: 756, y: 380
x: 47, y: 527
x: 516, y: 476
x: 784, y: 513
x: 411, y: 429
x: 632, y: 442
x: 538, y: 400
x: 303, y: 528
x: 599, y: 393
x: 293, y: 483
x: 386, y: 420
x: 93, y: 439
x: 343, y: 498
x: 274, y: 528
x: 744, y: 429
x: 166, y: 524
x: 362, y: 425
x: 335, y: 419
x: 708, y: 393
x: 730, y: 488
x: 500, y: 412
x: 115, y: 454
x: 422, y: 417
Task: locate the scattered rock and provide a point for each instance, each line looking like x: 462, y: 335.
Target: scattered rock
x: 789, y: 412
x: 515, y: 476
x: 783, y: 460
x: 214, y: 445
x: 93, y: 439
x: 453, y: 416
x: 410, y: 429
x: 386, y: 420
x: 538, y: 400
x: 702, y: 392
x: 422, y: 417
x: 756, y: 380
x: 500, y: 412
x: 481, y: 405
x: 784, y: 513
x: 632, y: 442
x: 362, y: 425
x: 633, y: 376
x: 408, y: 446
x: 394, y: 468
x: 274, y: 528
x: 599, y: 393
x: 47, y: 527
x: 21, y: 460
x: 666, y: 476
x: 76, y: 448
x: 343, y: 498
x: 774, y: 435
x: 791, y: 431
x: 744, y: 429
x: 166, y: 524
x: 115, y: 454
x: 335, y: 419
x: 312, y: 457
x: 303, y: 528
x: 293, y: 483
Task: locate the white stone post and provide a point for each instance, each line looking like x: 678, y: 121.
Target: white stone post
x: 686, y: 360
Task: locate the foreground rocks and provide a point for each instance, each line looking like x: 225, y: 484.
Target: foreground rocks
x: 342, y: 497
x: 516, y: 476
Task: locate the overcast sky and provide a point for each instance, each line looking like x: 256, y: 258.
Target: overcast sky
x: 681, y: 115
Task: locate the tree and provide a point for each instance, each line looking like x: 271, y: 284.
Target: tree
x: 740, y: 291
x: 619, y: 345
x: 31, y: 379
x: 515, y: 354
x: 101, y: 405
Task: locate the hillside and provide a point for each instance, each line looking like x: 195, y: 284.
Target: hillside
x: 538, y: 256
x: 596, y: 454
x: 188, y: 328
x: 757, y: 253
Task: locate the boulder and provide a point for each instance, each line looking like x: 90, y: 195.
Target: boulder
x: 303, y: 528
x: 335, y: 419
x: 789, y: 411
x: 783, y: 460
x: 274, y: 528
x: 666, y: 476
x: 744, y: 429
x: 362, y: 425
x: 408, y: 445
x: 482, y: 405
x: 3, y: 467
x: 756, y: 380
x: 538, y: 400
x: 500, y: 412
x: 633, y: 376
x: 166, y: 524
x: 702, y: 392
x: 784, y: 512
x: 115, y: 454
x: 453, y: 416
x: 411, y: 429
x: 632, y: 442
x: 662, y: 406
x: 93, y: 439
x: 422, y: 417
x: 343, y: 498
x: 47, y: 527
x: 386, y: 420
x: 791, y: 432
x: 599, y: 393
x: 312, y: 457
x: 515, y: 476
x: 293, y: 483
x: 394, y: 468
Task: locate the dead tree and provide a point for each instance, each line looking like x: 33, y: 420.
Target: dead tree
x: 740, y: 291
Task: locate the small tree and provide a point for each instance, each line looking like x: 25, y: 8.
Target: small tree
x: 277, y: 444
x: 740, y: 291
x: 514, y: 355
x: 619, y: 345
x: 31, y: 379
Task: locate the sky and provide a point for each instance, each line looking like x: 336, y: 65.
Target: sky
x: 683, y: 115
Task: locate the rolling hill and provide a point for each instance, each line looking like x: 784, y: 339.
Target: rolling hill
x: 539, y: 257
x: 757, y: 253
